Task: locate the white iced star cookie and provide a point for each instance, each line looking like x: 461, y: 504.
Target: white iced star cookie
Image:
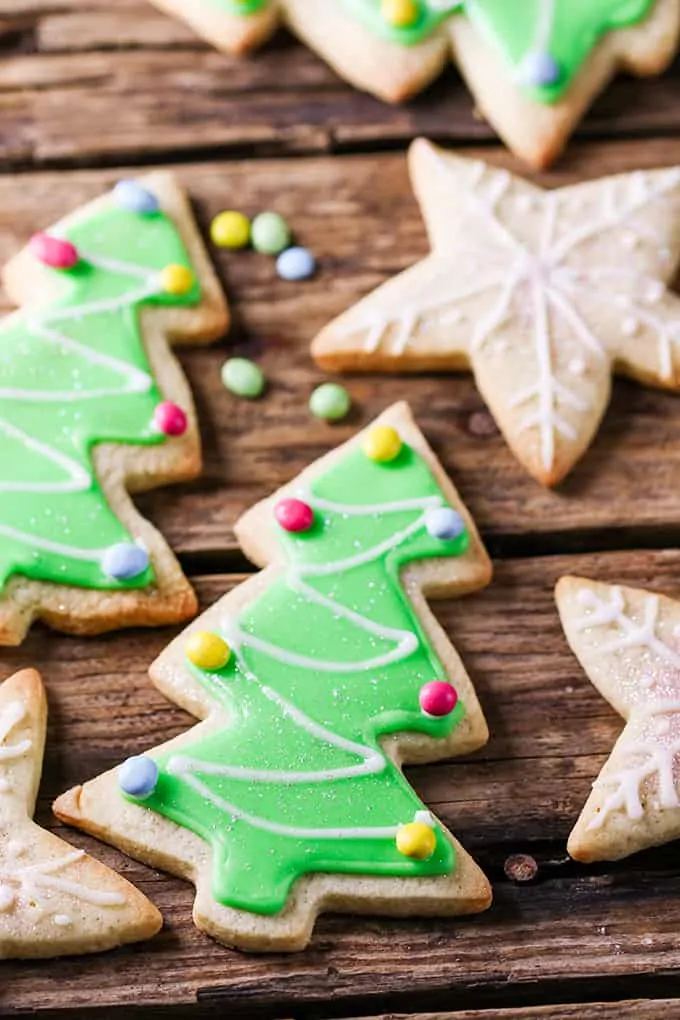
x: 628, y: 642
x: 533, y: 67
x: 54, y: 899
x: 542, y: 294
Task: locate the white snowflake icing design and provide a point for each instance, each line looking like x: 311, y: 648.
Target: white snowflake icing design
x: 645, y: 764
x: 573, y: 279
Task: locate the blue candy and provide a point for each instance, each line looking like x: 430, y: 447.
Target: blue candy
x: 135, y: 198
x: 125, y: 561
x: 296, y: 264
x: 138, y: 776
x: 444, y: 523
x: 539, y: 69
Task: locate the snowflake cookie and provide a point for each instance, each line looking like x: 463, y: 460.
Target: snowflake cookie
x: 533, y: 67
x: 542, y: 294
x: 54, y: 899
x: 93, y: 405
x: 315, y: 680
x: 628, y: 642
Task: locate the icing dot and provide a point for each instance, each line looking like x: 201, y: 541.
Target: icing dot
x: 296, y: 264
x: 170, y: 419
x: 416, y: 840
x: 53, y: 251
x: 243, y: 377
x: 438, y: 698
x: 207, y: 650
x: 62, y: 920
x: 125, y: 561
x: 132, y: 196
x: 382, y: 444
x: 138, y: 776
x: 330, y: 402
x: 443, y: 522
x: 577, y: 366
x: 294, y: 515
x: 270, y: 233
x: 230, y: 229
x: 630, y: 326
x: 7, y: 898
x: 400, y: 13
x: 539, y: 69
x: 176, y: 279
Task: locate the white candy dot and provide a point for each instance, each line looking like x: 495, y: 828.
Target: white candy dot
x: 62, y: 920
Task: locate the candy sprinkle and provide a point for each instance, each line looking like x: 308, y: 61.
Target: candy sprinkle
x: 230, y: 229
x: 296, y: 264
x: 243, y: 378
x: 270, y: 234
x: 330, y: 402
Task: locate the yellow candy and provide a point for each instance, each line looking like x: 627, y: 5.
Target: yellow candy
x: 176, y: 279
x: 416, y: 840
x: 382, y: 443
x: 400, y: 13
x: 207, y: 650
x: 230, y: 230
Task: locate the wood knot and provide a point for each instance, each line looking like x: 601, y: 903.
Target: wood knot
x: 520, y: 868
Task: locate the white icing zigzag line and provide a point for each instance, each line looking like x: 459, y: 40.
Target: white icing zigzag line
x: 373, y: 760
x: 13, y: 714
x: 550, y: 287
x: 29, y: 881
x: 632, y: 635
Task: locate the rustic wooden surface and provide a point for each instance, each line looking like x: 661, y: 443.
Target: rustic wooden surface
x: 90, y: 89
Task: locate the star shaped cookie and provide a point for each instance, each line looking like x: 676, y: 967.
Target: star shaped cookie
x: 54, y: 899
x: 628, y: 642
x: 542, y: 294
x: 533, y: 67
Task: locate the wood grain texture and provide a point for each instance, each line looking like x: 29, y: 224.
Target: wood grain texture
x: 550, y: 732
x: 640, y: 1009
x: 143, y: 86
x: 358, y: 214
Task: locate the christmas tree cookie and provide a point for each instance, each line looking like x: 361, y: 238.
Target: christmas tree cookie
x: 93, y: 405
x: 54, y: 899
x: 314, y: 681
x: 628, y: 642
x: 542, y: 294
x: 533, y: 67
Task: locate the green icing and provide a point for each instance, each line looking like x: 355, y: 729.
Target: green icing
x: 567, y: 30
x: 74, y: 373
x: 244, y: 7
x: 259, y: 825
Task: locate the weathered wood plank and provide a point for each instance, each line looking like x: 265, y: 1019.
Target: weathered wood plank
x: 143, y: 84
x: 637, y: 1009
x: 570, y: 928
x: 357, y: 213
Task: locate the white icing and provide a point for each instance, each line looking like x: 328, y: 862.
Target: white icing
x: 371, y: 760
x: 11, y: 716
x: 554, y: 293
x: 30, y: 881
x: 630, y: 634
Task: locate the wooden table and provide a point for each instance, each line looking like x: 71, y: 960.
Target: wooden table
x: 90, y: 88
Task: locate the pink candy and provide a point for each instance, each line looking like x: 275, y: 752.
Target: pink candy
x: 294, y: 515
x: 170, y: 419
x: 54, y: 252
x: 438, y: 698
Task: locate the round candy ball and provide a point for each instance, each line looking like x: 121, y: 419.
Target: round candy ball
x: 400, y: 13
x: 176, y: 279
x: 270, y: 233
x: 437, y: 698
x: 53, y: 251
x: 294, y: 515
x: 539, y: 69
x: 444, y: 523
x: 243, y: 377
x: 330, y: 402
x: 138, y: 776
x: 416, y: 840
x: 207, y: 650
x: 230, y: 229
x: 382, y: 444
x: 170, y: 419
x: 125, y: 561
x: 132, y: 196
x: 296, y: 264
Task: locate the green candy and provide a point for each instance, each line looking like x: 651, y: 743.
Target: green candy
x: 270, y: 234
x: 243, y: 377
x: 330, y: 402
